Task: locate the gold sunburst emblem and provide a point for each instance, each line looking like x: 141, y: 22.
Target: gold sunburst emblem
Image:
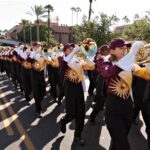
x: 55, y: 63
x: 73, y: 76
x: 120, y: 88
x: 14, y: 58
x: 38, y: 66
x: 26, y: 65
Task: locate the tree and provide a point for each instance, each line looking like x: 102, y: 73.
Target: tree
x: 73, y: 9
x: 78, y: 9
x: 37, y: 11
x: 136, y: 16
x: 126, y: 20
x: 90, y: 9
x: 97, y: 29
x: 139, y: 30
x: 49, y: 9
x: 43, y: 33
x: 24, y: 23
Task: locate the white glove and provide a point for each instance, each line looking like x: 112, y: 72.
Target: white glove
x: 70, y: 56
x: 32, y: 55
x: 89, y: 62
x: 23, y: 55
x: 39, y: 58
x: 38, y: 49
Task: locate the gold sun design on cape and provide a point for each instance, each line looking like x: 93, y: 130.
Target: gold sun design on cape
x: 73, y: 76
x: 120, y: 88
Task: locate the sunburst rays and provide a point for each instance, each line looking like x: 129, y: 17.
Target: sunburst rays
x: 120, y: 88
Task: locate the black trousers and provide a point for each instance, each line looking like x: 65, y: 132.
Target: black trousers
x: 26, y: 82
x: 60, y: 86
x: 53, y: 74
x: 146, y: 112
x: 38, y: 88
x: 14, y: 73
x: 92, y: 78
x: 75, y: 106
x: 139, y: 86
x: 19, y: 75
x: 118, y: 116
x: 2, y: 68
x: 7, y: 66
x: 100, y: 96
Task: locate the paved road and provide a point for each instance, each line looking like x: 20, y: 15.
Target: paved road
x: 20, y: 129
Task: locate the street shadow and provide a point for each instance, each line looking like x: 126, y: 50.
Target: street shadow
x: 56, y: 144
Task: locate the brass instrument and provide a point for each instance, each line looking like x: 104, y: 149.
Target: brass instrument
x: 143, y: 55
x: 87, y: 48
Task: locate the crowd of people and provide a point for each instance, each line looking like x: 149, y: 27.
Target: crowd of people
x: 121, y: 86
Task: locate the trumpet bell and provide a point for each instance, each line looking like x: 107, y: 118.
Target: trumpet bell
x: 143, y: 54
x: 88, y: 47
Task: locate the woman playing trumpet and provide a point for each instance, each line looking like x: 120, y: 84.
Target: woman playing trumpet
x: 118, y: 77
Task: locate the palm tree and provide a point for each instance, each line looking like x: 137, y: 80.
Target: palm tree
x: 136, y: 16
x: 90, y: 9
x: 37, y: 11
x: 49, y: 9
x: 78, y: 9
x: 126, y: 19
x: 24, y: 24
x: 73, y: 9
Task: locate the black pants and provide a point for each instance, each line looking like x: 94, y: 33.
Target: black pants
x: 26, y: 82
x: 14, y: 73
x: 75, y: 106
x: 38, y: 88
x: 146, y: 112
x: 100, y: 96
x: 92, y: 78
x: 139, y: 86
x: 118, y: 118
x: 60, y: 87
x: 7, y: 67
x: 53, y: 80
x: 19, y: 76
x: 2, y: 68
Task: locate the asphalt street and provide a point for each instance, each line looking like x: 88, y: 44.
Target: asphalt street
x: 20, y: 129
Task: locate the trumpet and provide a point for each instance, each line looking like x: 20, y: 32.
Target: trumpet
x: 143, y: 54
x: 87, y: 48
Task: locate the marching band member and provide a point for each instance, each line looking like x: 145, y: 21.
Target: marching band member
x: 53, y: 68
x: 13, y: 56
x: 118, y: 76
x: 25, y: 73
x: 18, y: 66
x: 100, y: 86
x: 37, y: 76
x: 72, y: 69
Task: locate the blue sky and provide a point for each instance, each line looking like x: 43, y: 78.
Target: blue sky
x: 12, y: 11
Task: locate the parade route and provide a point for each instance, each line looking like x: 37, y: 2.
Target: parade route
x: 20, y: 129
